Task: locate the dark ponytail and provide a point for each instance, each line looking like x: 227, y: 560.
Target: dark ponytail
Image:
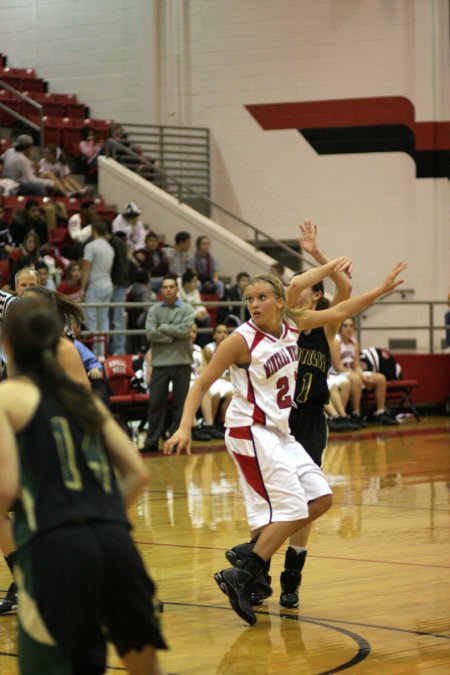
x: 33, y: 330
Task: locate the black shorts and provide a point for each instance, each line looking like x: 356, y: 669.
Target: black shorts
x: 83, y: 584
x: 309, y: 427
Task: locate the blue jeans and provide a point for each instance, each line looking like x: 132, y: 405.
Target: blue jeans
x: 117, y: 318
x: 98, y: 295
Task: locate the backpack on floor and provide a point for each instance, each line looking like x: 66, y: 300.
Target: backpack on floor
x: 380, y: 361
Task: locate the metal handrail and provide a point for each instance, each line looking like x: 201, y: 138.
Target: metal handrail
x: 431, y: 327
x: 182, y: 185
x: 29, y: 101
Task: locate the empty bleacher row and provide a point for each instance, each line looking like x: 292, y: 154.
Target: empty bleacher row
x: 64, y: 117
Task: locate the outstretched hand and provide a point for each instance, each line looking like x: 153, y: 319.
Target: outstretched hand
x: 307, y: 240
x: 391, y: 282
x: 344, y: 265
x: 178, y: 442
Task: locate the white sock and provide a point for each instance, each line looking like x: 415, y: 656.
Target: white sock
x: 380, y: 412
x: 298, y: 549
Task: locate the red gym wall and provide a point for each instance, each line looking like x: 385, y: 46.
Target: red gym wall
x: 432, y: 371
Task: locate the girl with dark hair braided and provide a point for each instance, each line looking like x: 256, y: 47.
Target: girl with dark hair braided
x: 77, y: 569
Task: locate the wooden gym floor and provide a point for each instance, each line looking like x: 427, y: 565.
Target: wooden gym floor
x: 375, y: 596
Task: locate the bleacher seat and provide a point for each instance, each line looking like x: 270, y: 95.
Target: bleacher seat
x: 4, y: 272
x: 6, y: 119
x: 72, y: 134
x: 126, y: 402
x: 212, y: 311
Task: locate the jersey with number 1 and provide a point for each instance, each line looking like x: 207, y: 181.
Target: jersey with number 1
x: 263, y: 390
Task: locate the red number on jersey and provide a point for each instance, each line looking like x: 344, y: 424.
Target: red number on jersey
x: 283, y: 399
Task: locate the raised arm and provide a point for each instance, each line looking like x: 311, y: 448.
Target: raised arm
x: 308, y: 242
x: 232, y: 350
x: 313, y: 276
x: 312, y: 319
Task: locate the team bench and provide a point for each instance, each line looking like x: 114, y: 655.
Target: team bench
x: 126, y: 402
x: 398, y: 397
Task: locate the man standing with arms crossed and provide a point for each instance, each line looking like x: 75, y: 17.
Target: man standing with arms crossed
x: 168, y: 327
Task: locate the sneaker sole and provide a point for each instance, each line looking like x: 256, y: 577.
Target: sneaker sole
x: 290, y: 605
x: 251, y: 620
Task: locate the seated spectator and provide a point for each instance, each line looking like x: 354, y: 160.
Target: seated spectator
x: 222, y: 386
x: 25, y: 278
x: 27, y: 254
x: 54, y: 165
x: 207, y: 430
x: 178, y: 256
x: 139, y: 291
x: 18, y: 166
x: 30, y: 218
x: 233, y: 313
x: 129, y: 222
x: 153, y: 259
x: 206, y: 266
x: 90, y: 148
x: 345, y: 358
x: 45, y: 279
x: 189, y: 293
x: 6, y: 238
x: 80, y: 224
x: 70, y: 285
x: 94, y: 371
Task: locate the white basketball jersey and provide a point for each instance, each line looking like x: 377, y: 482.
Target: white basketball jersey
x: 263, y: 390
x: 197, y: 362
x: 347, y: 353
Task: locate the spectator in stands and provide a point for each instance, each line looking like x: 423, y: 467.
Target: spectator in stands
x: 71, y: 284
x: 45, y: 279
x: 178, y: 256
x: 121, y: 280
x: 80, y: 224
x: 54, y: 165
x: 96, y: 283
x: 26, y: 255
x: 235, y: 293
x: 29, y: 218
x: 25, y: 278
x: 189, y: 293
x: 222, y: 386
x: 153, y: 259
x: 345, y: 357
x: 206, y: 267
x: 168, y: 327
x: 94, y: 371
x: 207, y: 430
x: 18, y: 166
x: 139, y: 291
x: 129, y: 222
x: 6, y: 238
x: 90, y: 148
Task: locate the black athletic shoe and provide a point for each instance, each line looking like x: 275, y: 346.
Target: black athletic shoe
x: 214, y: 432
x: 199, y: 434
x: 261, y: 589
x: 384, y: 419
x: 149, y: 448
x: 238, y: 554
x: 291, y: 578
x: 237, y: 584
x: 9, y: 602
x: 357, y: 419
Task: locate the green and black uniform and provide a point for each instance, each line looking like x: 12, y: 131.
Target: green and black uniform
x: 307, y: 420
x: 81, y: 580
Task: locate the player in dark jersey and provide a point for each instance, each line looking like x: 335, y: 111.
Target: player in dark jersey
x: 81, y: 580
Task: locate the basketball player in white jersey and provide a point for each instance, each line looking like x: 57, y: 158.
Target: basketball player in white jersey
x: 284, y: 489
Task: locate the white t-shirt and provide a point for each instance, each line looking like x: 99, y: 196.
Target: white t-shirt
x: 101, y: 255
